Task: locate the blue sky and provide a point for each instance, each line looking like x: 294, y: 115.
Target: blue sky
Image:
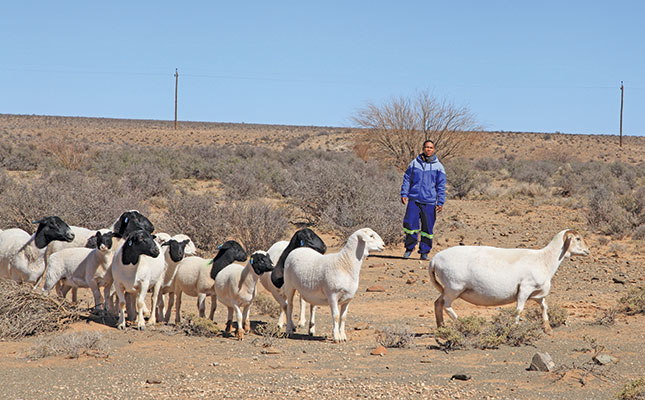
x: 518, y: 66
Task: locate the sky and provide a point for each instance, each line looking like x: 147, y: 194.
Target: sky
x: 547, y: 66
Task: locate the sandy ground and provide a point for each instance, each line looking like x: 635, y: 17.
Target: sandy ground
x: 162, y: 363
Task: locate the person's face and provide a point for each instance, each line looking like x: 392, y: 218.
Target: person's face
x: 428, y: 149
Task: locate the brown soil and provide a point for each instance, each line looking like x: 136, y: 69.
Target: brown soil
x: 162, y: 363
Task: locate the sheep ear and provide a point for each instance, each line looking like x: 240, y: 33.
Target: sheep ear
x: 567, y: 243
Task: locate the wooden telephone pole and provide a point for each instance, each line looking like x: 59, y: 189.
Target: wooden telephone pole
x: 621, y: 112
x: 176, y: 84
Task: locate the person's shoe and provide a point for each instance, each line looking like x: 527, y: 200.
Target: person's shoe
x: 424, y: 256
x: 407, y: 254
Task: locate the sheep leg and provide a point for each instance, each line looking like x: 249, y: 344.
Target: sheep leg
x: 523, y: 295
x: 438, y: 310
x: 155, y: 298
x: 229, y: 320
x: 290, y: 294
x: 239, y: 332
x: 121, y: 296
x: 335, y: 317
x: 312, y: 320
x: 303, y: 316
x: 177, y: 306
x: 160, y: 307
x: 75, y: 295
x: 283, y: 314
x: 247, y: 321
x: 141, y: 305
x: 213, y: 307
x: 447, y: 303
x: 171, y: 302
x: 545, y: 316
x: 343, y: 314
x: 98, y: 301
x: 201, y: 305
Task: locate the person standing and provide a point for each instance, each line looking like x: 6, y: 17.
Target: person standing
x: 424, y: 192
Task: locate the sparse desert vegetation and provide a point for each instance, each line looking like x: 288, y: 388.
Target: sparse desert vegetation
x: 257, y: 184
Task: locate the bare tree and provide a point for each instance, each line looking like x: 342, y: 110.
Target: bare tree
x: 398, y: 127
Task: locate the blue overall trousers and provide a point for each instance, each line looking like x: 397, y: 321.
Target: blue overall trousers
x: 425, y: 214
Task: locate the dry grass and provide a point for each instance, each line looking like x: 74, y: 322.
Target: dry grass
x: 71, y: 345
x: 634, y: 390
x: 394, y: 337
x: 192, y: 325
x: 269, y: 334
x: 25, y: 312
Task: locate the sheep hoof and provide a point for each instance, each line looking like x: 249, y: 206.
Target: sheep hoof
x: 247, y: 326
x: 239, y: 334
x: 229, y: 325
x: 121, y: 327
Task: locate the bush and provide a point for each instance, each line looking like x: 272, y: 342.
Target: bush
x: 394, y: 338
x: 462, y: 178
x: 639, y: 233
x: 25, y: 312
x: 539, y: 172
x: 19, y: 157
x: 634, y: 390
x: 266, y: 305
x: 605, y: 215
x: 76, y: 198
x: 633, y: 302
x: 192, y: 325
x: 256, y: 224
x: 345, y: 194
x: 557, y: 315
x: 71, y: 345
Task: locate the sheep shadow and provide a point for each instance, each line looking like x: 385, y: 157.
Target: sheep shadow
x: 387, y: 257
x: 306, y: 337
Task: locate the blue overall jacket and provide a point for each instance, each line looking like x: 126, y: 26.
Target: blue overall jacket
x: 425, y: 182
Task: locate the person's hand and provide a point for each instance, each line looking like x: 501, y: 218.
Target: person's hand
x: 404, y: 200
x: 438, y: 208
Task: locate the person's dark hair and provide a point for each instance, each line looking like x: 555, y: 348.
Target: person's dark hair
x: 428, y: 141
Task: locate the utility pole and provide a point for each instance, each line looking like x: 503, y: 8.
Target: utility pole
x: 621, y: 112
x: 176, y: 84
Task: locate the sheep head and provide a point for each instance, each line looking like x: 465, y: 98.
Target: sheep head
x: 573, y: 245
x: 50, y: 229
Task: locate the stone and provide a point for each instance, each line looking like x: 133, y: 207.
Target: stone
x: 153, y: 381
x: 379, y: 351
x: 541, y: 362
x: 376, y: 288
x: 410, y: 281
x: 604, y: 359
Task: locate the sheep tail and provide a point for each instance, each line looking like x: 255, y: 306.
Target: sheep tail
x: 433, y: 277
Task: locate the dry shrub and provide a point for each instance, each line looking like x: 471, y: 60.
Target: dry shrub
x: 607, y: 317
x: 76, y: 198
x: 639, y: 233
x: 67, y: 155
x: 523, y: 189
x: 462, y: 178
x: 633, y: 390
x: 633, y: 302
x: 344, y: 194
x: 605, y: 215
x: 257, y: 224
x: 557, y: 315
x: 394, y: 337
x: 25, y: 312
x: 476, y: 332
x: 71, y: 345
x: 19, y: 157
x: 266, y: 305
x: 269, y: 333
x: 192, y: 325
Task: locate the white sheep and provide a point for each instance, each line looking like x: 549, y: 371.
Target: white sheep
x: 80, y: 267
x: 491, y: 276
x: 236, y: 287
x: 22, y: 256
x: 194, y: 277
x: 329, y: 279
x: 173, y: 253
x: 137, y: 266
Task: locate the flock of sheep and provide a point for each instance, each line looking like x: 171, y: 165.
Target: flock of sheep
x: 127, y: 261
